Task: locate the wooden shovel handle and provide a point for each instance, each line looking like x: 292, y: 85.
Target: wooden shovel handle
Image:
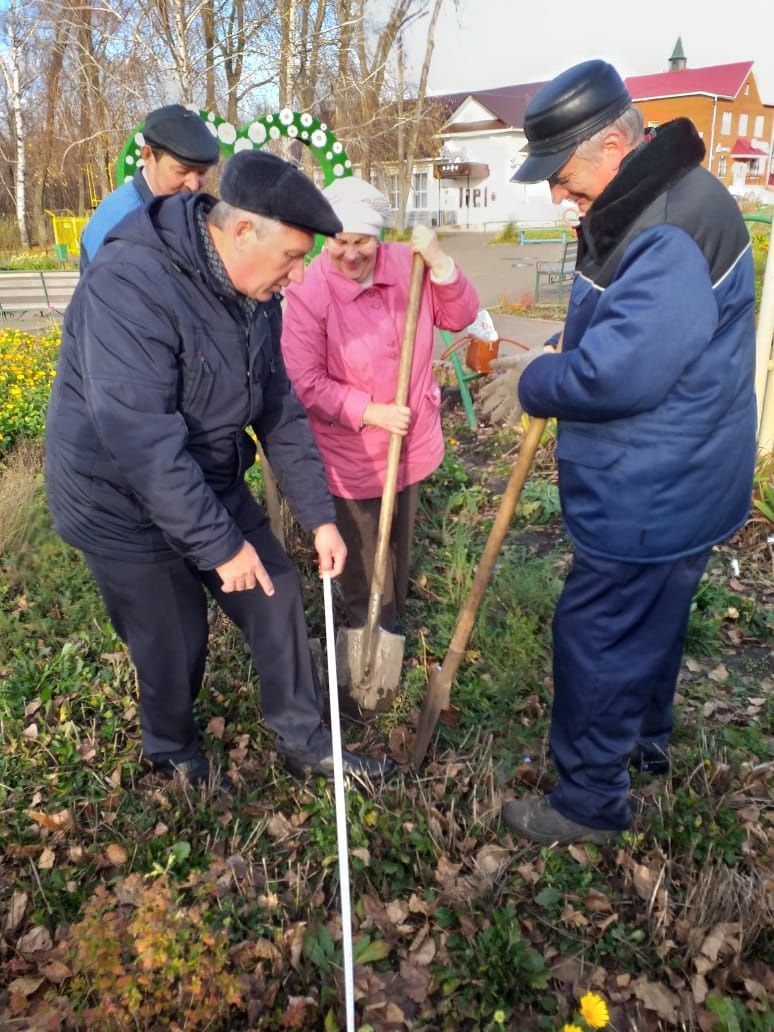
x: 393, y: 453
x: 502, y: 522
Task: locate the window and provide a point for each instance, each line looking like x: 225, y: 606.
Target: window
x: 743, y: 120
x: 758, y: 126
x: 755, y: 168
x: 725, y: 123
x: 419, y: 188
x: 393, y: 190
x: 721, y: 167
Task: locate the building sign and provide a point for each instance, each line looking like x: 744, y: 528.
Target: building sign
x: 460, y: 170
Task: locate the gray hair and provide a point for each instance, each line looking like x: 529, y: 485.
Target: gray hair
x: 223, y: 215
x: 629, y: 124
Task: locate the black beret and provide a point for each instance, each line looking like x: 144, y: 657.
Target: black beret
x: 565, y: 112
x: 260, y: 182
x: 182, y: 133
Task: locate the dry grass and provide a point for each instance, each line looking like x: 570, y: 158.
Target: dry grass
x: 19, y: 473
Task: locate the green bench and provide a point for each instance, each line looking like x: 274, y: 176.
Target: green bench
x: 553, y: 273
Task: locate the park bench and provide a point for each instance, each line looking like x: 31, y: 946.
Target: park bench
x: 556, y: 273
x: 543, y: 232
x: 41, y: 291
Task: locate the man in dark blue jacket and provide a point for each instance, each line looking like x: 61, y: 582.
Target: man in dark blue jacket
x: 653, y: 390
x: 170, y: 353
x: 177, y: 152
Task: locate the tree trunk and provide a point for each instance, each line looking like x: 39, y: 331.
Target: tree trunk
x: 405, y: 171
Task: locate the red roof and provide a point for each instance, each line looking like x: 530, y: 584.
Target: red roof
x: 716, y: 81
x: 744, y: 149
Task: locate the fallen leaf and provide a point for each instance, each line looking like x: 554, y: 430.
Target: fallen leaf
x: 62, y: 821
x: 279, y: 827
x: 658, y: 998
x: 719, y: 675
x: 16, y: 910
x: 216, y: 727
x: 56, y: 971
x: 34, y: 941
x: 25, y: 986
x: 31, y: 731
x: 47, y: 859
x: 116, y: 854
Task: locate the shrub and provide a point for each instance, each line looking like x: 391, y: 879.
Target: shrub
x: 145, y: 960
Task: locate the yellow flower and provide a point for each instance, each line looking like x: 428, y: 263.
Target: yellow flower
x: 594, y: 1010
x: 571, y: 1028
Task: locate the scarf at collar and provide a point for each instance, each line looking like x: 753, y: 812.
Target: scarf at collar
x: 674, y: 150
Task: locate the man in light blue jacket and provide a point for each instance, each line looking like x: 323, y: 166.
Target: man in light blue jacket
x: 653, y: 391
x: 177, y: 153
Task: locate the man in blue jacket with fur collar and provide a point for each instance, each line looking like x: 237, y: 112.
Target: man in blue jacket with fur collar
x: 653, y: 391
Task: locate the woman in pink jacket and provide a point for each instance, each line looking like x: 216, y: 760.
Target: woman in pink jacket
x: 343, y: 328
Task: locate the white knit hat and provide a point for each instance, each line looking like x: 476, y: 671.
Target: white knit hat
x: 360, y: 207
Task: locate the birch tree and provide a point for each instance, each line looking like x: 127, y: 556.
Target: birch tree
x: 18, y: 37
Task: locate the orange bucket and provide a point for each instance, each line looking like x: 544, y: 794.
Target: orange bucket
x: 480, y: 354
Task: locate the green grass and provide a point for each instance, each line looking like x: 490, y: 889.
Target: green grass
x: 457, y: 923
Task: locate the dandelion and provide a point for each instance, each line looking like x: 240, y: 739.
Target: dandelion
x: 571, y: 1028
x: 594, y: 1010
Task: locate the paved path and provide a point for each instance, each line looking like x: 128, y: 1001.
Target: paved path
x: 503, y: 271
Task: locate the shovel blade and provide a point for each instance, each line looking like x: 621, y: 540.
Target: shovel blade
x: 436, y: 700
x: 373, y: 691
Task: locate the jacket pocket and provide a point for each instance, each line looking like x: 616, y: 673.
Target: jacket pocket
x: 595, y: 452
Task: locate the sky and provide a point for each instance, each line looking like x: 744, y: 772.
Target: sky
x: 501, y: 42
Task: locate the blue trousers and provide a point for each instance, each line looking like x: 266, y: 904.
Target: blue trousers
x: 619, y: 632
x: 160, y: 610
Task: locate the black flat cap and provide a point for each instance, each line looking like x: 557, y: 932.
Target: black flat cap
x: 262, y: 183
x: 180, y: 132
x: 565, y: 112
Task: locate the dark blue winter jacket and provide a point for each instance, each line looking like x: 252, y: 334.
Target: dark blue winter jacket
x: 161, y: 372
x: 654, y: 389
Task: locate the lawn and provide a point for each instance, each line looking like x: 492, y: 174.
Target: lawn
x: 128, y: 904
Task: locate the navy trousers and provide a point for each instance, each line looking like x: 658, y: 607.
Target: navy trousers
x: 619, y: 632
x: 160, y: 610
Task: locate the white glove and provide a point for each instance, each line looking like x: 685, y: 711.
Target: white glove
x: 425, y: 242
x: 499, y: 396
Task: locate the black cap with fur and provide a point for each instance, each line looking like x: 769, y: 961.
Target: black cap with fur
x: 181, y: 133
x: 264, y: 184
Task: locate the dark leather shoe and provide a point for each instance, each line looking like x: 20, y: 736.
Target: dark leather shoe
x: 356, y: 765
x: 196, y: 772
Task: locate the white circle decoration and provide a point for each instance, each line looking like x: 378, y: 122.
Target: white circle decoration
x: 286, y: 116
x: 242, y: 144
x: 129, y: 159
x: 306, y: 119
x: 274, y: 133
x: 337, y: 147
x: 338, y: 170
x: 226, y: 132
x: 292, y: 131
x: 139, y: 139
x: 319, y: 139
x: 304, y: 135
x: 257, y: 133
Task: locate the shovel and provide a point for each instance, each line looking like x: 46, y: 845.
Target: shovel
x: 369, y: 658
x: 438, y: 691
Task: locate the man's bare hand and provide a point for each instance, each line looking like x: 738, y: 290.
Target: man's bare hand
x: 331, y: 550
x: 245, y: 571
x: 393, y: 418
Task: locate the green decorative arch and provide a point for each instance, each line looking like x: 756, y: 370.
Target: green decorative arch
x: 294, y: 125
